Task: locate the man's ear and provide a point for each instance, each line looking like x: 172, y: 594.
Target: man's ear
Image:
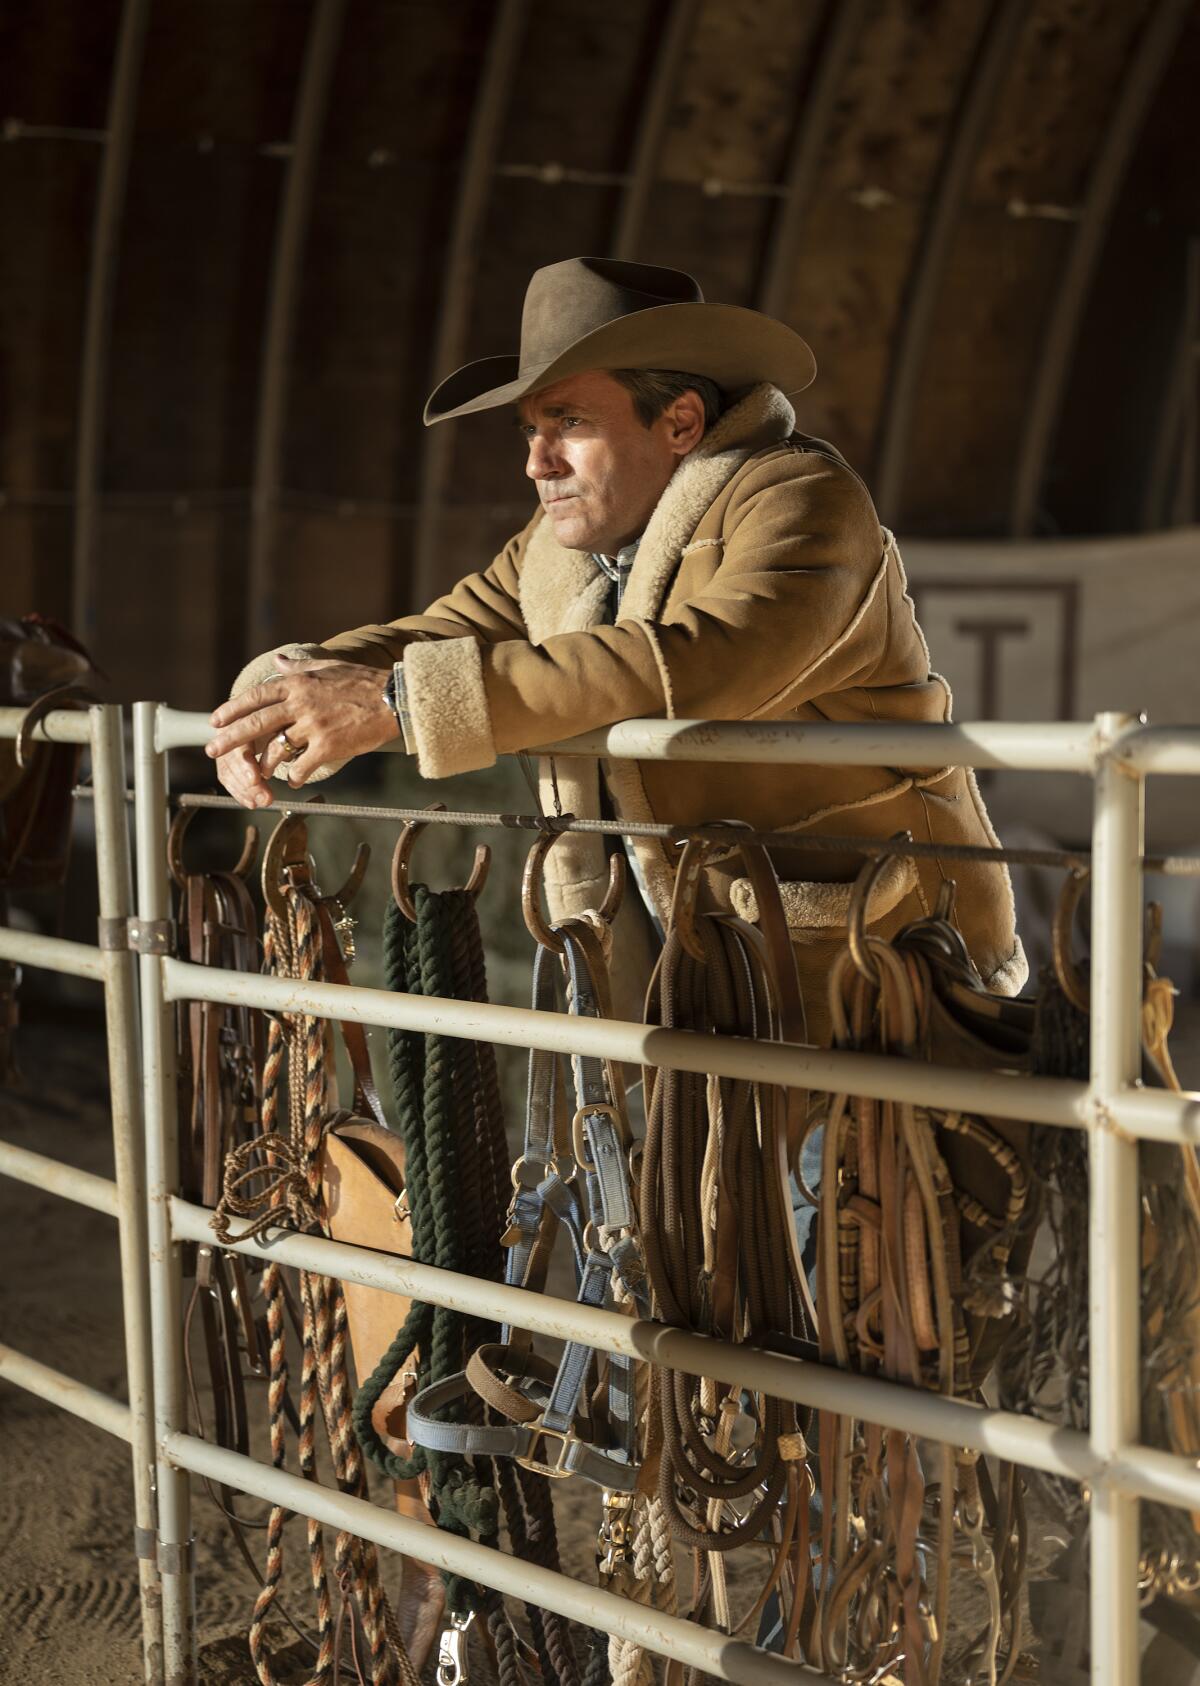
x: 685, y: 422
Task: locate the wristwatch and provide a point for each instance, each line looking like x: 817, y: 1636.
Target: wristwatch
x: 395, y: 699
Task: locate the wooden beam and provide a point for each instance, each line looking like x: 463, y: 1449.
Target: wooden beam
x: 460, y: 269
x: 1142, y: 77
x: 842, y: 31
x: 655, y: 114
x: 993, y: 56
x: 1175, y: 435
x: 102, y: 275
x: 320, y: 53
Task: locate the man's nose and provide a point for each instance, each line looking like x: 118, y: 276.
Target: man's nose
x: 544, y: 462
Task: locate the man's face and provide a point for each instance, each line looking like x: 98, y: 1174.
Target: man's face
x: 599, y: 470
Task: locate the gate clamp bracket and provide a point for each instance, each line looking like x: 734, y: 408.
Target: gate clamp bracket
x: 142, y: 936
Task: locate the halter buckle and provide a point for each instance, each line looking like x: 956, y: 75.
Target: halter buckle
x: 539, y: 1466
x: 579, y: 1143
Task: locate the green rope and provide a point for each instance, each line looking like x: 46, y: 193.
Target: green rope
x: 430, y: 1085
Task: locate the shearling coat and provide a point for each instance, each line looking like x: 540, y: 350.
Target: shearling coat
x: 764, y: 588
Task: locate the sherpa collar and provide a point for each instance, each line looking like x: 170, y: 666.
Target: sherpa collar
x: 562, y: 590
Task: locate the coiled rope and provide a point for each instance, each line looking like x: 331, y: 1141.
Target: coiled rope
x: 449, y: 1112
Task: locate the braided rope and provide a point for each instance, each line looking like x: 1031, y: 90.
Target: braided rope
x: 279, y: 1176
x: 272, y: 1287
x: 627, y: 1660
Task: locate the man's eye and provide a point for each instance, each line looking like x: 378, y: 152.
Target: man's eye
x: 570, y: 421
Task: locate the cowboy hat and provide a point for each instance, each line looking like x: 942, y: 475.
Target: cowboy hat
x: 598, y: 313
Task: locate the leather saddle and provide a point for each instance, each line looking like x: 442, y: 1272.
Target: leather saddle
x: 39, y: 662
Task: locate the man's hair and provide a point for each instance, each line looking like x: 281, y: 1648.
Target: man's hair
x: 653, y: 389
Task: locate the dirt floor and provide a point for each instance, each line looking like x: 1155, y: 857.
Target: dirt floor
x: 69, y: 1609
x: 69, y: 1613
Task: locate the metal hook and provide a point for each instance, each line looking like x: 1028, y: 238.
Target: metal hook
x: 452, y: 1664
x: 286, y: 859
x: 860, y: 903
x: 1069, y: 974
x: 179, y: 825
x: 402, y: 860
x: 62, y: 696
x: 683, y: 897
x: 531, y: 884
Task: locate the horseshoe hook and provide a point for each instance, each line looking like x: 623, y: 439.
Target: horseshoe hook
x: 286, y: 860
x: 402, y: 861
x: 243, y: 866
x: 531, y: 888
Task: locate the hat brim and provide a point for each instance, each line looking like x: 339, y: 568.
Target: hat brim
x: 731, y: 345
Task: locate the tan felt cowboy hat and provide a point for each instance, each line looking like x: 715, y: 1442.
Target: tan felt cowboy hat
x: 597, y: 313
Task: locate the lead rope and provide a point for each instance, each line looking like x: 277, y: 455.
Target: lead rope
x: 279, y: 1175
x: 451, y: 1117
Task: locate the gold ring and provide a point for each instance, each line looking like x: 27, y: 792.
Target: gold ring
x: 290, y: 750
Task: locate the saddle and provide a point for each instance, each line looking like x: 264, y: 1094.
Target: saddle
x: 41, y: 667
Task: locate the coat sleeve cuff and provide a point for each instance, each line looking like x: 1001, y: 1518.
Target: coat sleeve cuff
x: 449, y: 717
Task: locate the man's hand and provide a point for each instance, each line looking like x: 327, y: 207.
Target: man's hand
x: 330, y: 710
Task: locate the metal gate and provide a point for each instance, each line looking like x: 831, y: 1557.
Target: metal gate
x: 109, y: 962
x: 1118, y: 753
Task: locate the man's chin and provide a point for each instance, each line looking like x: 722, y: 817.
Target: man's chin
x: 571, y: 529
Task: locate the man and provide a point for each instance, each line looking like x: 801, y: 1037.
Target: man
x: 692, y: 556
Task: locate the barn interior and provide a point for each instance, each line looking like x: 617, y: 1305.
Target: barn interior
x: 243, y: 239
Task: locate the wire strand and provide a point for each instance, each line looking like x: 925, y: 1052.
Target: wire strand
x: 1175, y: 866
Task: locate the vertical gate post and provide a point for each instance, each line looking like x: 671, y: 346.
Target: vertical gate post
x: 1115, y: 1201
x: 175, y: 1549
x: 115, y: 885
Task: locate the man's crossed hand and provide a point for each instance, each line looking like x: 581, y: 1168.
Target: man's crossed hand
x: 329, y: 710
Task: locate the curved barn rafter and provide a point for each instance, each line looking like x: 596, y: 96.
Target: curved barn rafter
x: 968, y: 208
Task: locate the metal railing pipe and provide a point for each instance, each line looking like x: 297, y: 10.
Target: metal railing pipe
x: 1044, y: 1100
x: 175, y: 1551
x: 1052, y: 747
x: 1056, y: 747
x: 54, y: 1177
x: 1149, y: 1473
x: 56, y: 954
x: 666, y: 1636
x: 1157, y: 1114
x: 1170, y: 750
x: 1003, y: 1434
x: 61, y: 725
x: 100, y: 1409
x: 1059, y: 748
x: 1114, y: 1232
x: 177, y: 728
x: 114, y: 877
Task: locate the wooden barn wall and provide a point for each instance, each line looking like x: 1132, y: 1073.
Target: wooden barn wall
x: 1000, y: 280
x: 1127, y: 367
x: 214, y: 116
x: 54, y: 67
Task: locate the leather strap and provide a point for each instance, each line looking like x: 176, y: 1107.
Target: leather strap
x: 574, y: 1179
